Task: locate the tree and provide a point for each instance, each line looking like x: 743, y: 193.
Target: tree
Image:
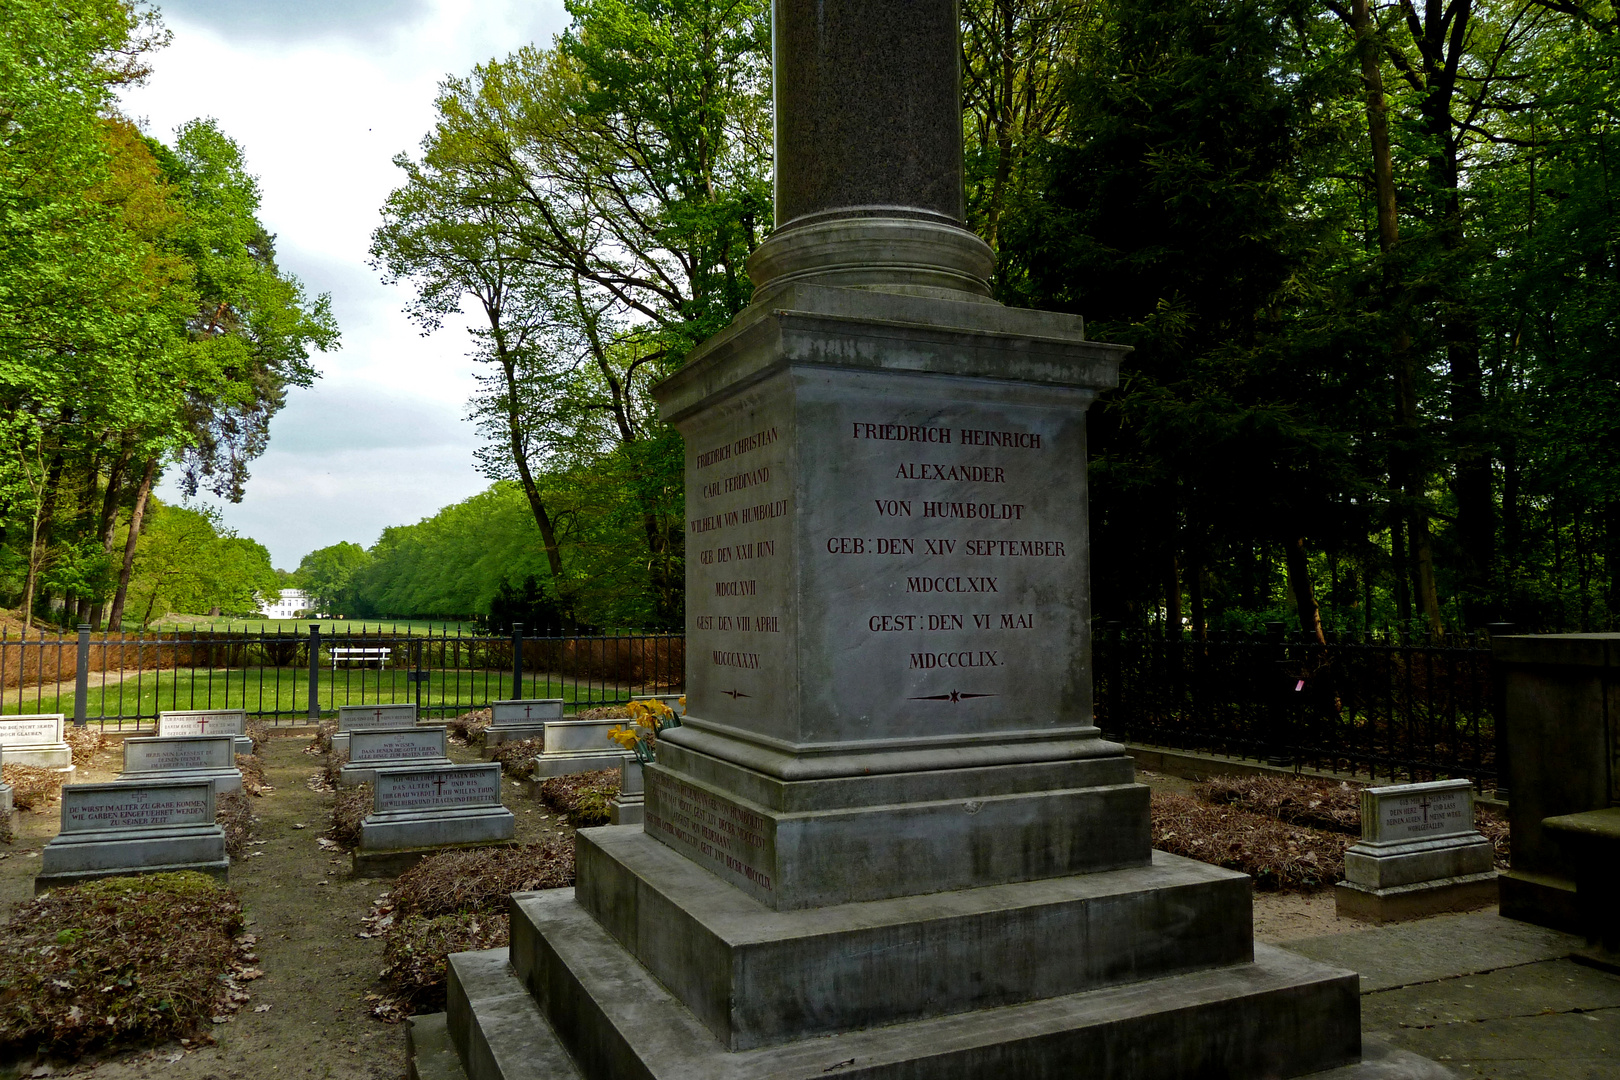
x: 186, y: 563
x: 328, y: 573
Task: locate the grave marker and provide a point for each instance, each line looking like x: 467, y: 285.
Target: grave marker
x: 1419, y: 854
x: 183, y: 757
x: 392, y: 748
x: 370, y: 718
x: 36, y: 740
x: 519, y: 719
x: 422, y: 809
x: 6, y: 811
x: 207, y: 722
x: 576, y: 746
x: 134, y: 827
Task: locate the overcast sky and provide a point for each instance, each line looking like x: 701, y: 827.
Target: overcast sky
x: 321, y: 94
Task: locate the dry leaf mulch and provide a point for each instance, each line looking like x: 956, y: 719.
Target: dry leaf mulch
x: 454, y: 902
x: 234, y: 812
x: 517, y: 758
x: 1319, y: 804
x: 83, y: 741
x: 607, y: 712
x: 32, y: 787
x: 583, y: 797
x: 349, y: 808
x: 1277, y: 855
x: 253, y: 780
x: 260, y: 733
x: 466, y: 728
x: 122, y: 962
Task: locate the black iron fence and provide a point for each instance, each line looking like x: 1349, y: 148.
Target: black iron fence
x: 1384, y: 708
x: 122, y: 682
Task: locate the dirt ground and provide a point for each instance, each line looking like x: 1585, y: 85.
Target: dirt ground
x: 1278, y: 916
x: 305, y: 909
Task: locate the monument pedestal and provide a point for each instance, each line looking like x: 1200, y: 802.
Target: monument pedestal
x: 629, y: 806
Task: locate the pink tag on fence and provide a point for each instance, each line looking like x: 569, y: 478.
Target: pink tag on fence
x: 1299, y: 686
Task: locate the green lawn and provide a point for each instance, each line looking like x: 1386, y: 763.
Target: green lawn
x: 285, y: 690
x: 301, y: 626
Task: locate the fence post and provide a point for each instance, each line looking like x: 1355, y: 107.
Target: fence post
x: 314, y: 673
x: 81, y: 678
x: 517, y: 660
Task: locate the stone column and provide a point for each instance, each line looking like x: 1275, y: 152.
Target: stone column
x: 869, y: 151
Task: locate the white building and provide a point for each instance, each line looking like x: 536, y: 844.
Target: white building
x: 292, y: 604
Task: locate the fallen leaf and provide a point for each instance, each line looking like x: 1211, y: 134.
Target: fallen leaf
x: 261, y: 1008
x: 299, y: 825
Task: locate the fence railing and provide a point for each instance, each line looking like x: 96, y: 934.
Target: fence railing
x: 122, y: 682
x: 1387, y: 709
x: 1384, y: 708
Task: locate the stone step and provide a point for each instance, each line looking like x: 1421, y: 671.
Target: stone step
x: 496, y: 1027
x: 1280, y: 1016
x: 756, y: 977
x: 429, y: 1052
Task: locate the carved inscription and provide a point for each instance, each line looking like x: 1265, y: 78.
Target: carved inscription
x: 202, y: 722
x: 412, y: 745
x: 182, y: 752
x: 89, y: 807
x: 360, y: 717
x: 716, y: 831
x: 1417, y: 811
x: 22, y: 731
x: 437, y: 789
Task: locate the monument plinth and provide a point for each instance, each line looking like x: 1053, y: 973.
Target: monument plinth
x: 887, y: 841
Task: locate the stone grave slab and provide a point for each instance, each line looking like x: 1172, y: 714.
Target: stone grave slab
x: 629, y: 806
x: 36, y: 739
x: 576, y: 746
x: 134, y: 827
x: 392, y: 748
x: 183, y: 757
x: 419, y: 810
x: 518, y: 719
x: 370, y: 718
x: 207, y: 722
x: 1419, y: 854
x: 7, y: 813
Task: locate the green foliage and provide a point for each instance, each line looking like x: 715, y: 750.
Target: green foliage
x: 142, y: 317
x: 327, y: 574
x: 185, y: 562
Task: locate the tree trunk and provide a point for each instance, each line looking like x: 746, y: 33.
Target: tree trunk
x: 43, y: 510
x: 115, y: 617
x: 1398, y: 569
x: 107, y: 525
x: 1172, y: 597
x: 1299, y: 581
x: 537, y: 506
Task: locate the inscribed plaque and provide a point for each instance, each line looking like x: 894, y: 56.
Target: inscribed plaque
x: 149, y: 805
x: 448, y: 787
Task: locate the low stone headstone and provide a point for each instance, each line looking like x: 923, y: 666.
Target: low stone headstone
x: 183, y: 757
x: 145, y: 827
x: 392, y: 748
x: 1419, y: 854
x: 36, y: 740
x: 6, y: 810
x: 207, y: 722
x: 575, y: 746
x: 422, y: 809
x: 516, y: 720
x: 370, y: 718
x: 628, y: 807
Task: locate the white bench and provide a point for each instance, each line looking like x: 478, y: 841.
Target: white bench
x: 364, y: 655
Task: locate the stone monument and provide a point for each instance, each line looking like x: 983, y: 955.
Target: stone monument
x: 183, y: 757
x: 369, y: 718
x: 148, y: 827
x: 1420, y: 854
x: 888, y: 840
x: 392, y: 748
x: 36, y: 740
x: 420, y: 810
x: 516, y: 720
x: 207, y: 722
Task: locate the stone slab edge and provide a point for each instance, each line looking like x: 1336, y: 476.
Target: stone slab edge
x: 389, y: 864
x: 1244, y: 1021
x: 1404, y: 902
x: 219, y: 871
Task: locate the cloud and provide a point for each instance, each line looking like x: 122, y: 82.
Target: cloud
x: 298, y: 20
